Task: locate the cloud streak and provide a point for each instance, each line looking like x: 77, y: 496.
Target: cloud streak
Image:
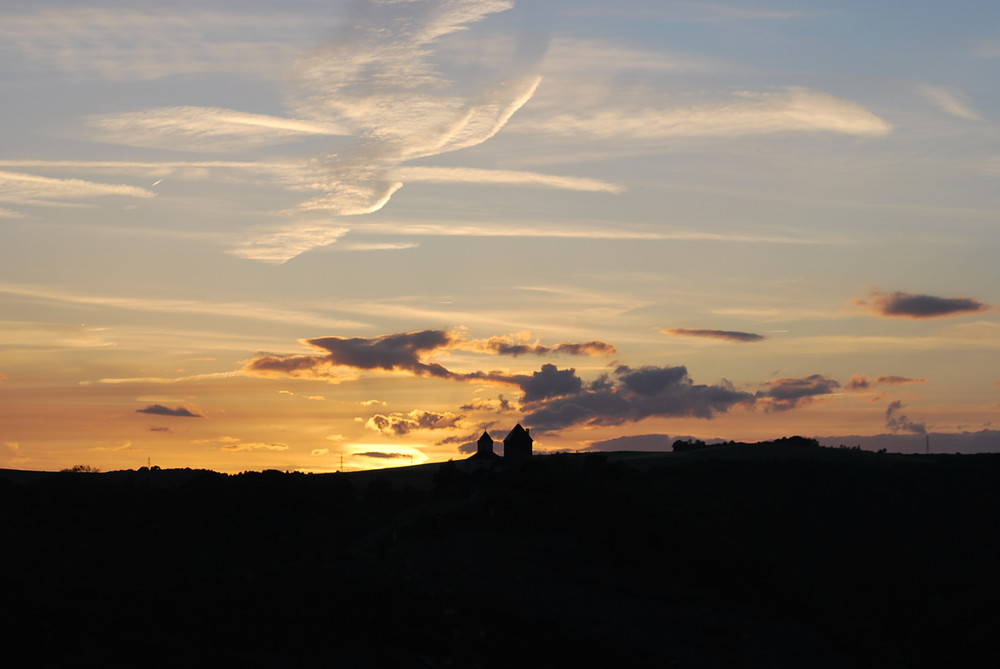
x: 862, y: 382
x: 725, y: 335
x: 31, y: 189
x: 242, y: 310
x: 207, y: 129
x: 503, y: 177
x: 160, y: 410
x: 792, y: 110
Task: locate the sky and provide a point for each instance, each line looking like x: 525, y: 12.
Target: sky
x: 337, y: 235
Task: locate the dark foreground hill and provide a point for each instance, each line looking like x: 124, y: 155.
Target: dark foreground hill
x: 777, y: 557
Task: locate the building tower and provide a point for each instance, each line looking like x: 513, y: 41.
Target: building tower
x: 517, y: 445
x: 484, y: 450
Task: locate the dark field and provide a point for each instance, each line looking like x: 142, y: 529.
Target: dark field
x: 771, y: 555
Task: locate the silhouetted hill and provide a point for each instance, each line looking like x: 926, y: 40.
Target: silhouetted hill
x: 772, y: 555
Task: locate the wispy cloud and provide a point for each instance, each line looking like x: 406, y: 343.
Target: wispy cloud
x: 792, y: 110
x: 951, y: 102
x: 377, y: 80
x: 162, y: 380
x: 242, y: 310
x: 575, y: 231
x: 122, y: 44
x: 695, y: 12
x: 31, y: 189
x: 503, y: 177
x: 208, y: 129
x: 283, y: 243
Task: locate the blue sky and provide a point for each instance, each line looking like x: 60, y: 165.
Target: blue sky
x: 735, y: 220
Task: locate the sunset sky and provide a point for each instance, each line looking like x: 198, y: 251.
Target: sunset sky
x: 307, y: 234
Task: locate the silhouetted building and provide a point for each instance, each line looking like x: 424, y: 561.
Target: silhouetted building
x: 517, y: 445
x: 485, y: 449
x: 516, y: 448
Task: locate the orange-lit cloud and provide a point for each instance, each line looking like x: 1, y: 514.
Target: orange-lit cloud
x: 400, y: 423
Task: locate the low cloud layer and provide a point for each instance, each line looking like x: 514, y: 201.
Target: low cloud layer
x: 909, y: 305
x: 636, y: 442
x: 726, y: 335
x: 160, y: 410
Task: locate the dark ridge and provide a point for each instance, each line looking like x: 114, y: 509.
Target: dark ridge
x: 782, y: 554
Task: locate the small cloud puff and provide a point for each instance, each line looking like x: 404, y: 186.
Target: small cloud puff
x: 909, y: 305
x: 785, y: 394
x: 896, y: 421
